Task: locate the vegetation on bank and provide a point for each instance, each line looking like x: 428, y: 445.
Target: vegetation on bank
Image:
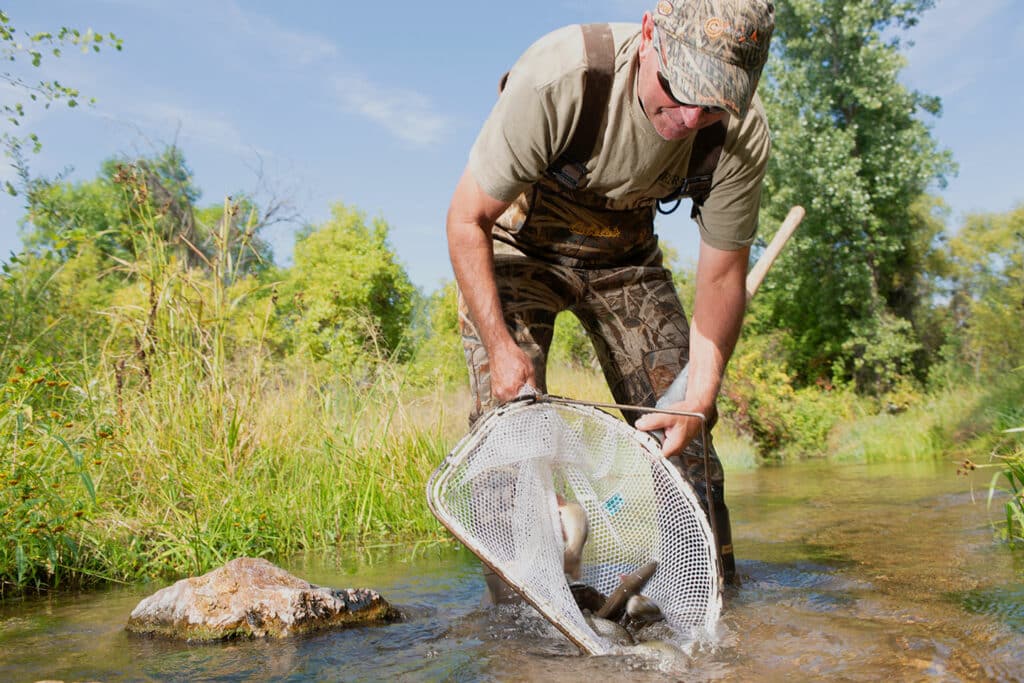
x: 171, y: 398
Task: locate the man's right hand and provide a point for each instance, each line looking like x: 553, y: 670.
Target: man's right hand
x: 511, y: 370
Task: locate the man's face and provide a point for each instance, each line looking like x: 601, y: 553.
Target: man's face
x: 671, y: 119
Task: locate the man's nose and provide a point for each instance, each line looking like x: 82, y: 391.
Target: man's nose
x: 691, y: 116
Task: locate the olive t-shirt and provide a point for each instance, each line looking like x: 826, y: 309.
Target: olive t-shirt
x: 536, y: 114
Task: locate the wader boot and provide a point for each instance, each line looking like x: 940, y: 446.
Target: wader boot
x: 497, y: 591
x: 691, y: 466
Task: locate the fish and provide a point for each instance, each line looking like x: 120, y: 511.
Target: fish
x: 641, y: 610
x: 587, y: 597
x: 629, y: 585
x: 575, y: 529
x: 669, y: 657
x: 609, y: 630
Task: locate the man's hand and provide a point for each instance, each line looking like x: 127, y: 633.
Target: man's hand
x: 679, y: 430
x: 511, y: 370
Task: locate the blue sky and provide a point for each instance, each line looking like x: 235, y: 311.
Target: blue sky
x: 376, y: 104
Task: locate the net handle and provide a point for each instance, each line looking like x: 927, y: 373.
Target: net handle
x: 705, y: 437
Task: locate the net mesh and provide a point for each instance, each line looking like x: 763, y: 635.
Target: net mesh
x: 497, y: 492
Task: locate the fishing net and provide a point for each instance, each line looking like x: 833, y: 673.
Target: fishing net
x: 498, y: 491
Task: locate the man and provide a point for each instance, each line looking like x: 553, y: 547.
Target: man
x: 541, y: 222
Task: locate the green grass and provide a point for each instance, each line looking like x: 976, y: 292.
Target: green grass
x: 163, y: 454
x: 925, y: 431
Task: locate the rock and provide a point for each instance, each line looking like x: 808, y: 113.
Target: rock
x: 251, y: 597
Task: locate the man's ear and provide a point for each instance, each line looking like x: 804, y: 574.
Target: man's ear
x: 646, y: 34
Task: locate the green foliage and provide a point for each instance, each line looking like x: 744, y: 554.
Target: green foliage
x: 439, y: 359
x: 104, y: 214
x: 170, y: 444
x: 759, y: 400
x: 23, y: 52
x: 346, y: 297
x: 1007, y: 483
x: 47, y: 491
x: 850, y: 146
x: 63, y: 216
x: 985, y: 276
x: 570, y: 345
x: 48, y: 307
x: 1011, y: 476
x: 879, y: 354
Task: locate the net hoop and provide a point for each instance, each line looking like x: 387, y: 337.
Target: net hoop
x: 495, y: 493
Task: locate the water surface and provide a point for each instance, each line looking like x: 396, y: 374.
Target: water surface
x: 850, y: 572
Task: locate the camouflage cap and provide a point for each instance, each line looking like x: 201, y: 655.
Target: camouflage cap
x: 713, y: 50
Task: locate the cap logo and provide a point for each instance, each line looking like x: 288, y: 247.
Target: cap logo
x: 716, y: 27
x: 665, y: 8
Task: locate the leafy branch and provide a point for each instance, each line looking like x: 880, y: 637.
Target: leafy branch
x: 20, y: 47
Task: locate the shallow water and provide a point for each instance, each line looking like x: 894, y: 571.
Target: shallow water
x: 850, y: 572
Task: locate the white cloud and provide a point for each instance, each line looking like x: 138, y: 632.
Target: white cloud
x: 406, y: 114
x: 298, y: 47
x: 219, y: 21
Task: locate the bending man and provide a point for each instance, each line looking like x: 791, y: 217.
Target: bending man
x: 595, y: 127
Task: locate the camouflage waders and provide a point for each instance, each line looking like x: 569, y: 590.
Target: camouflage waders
x: 639, y: 330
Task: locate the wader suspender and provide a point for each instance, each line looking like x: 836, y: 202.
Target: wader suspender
x: 570, y: 168
x: 707, y: 148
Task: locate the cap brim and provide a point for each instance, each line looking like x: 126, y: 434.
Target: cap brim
x: 700, y: 79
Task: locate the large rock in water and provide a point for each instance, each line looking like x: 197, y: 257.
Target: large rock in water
x: 251, y: 597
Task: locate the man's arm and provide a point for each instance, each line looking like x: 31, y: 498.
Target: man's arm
x: 717, y: 319
x: 470, y: 216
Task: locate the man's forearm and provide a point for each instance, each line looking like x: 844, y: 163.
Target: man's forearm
x: 717, y: 320
x: 470, y: 217
x: 470, y: 250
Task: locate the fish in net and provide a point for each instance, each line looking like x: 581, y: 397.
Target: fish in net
x: 500, y: 490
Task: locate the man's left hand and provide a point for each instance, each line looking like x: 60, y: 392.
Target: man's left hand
x: 679, y: 430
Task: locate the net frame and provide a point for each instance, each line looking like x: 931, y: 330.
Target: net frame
x: 549, y: 594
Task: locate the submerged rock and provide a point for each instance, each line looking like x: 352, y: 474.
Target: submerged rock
x: 249, y: 598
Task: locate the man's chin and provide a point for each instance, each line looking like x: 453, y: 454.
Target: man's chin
x: 676, y: 134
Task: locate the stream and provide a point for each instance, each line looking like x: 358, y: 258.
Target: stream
x: 850, y: 572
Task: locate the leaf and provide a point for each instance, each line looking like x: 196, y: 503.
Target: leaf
x: 89, y: 487
x: 77, y: 457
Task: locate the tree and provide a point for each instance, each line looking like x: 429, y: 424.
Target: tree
x: 985, y: 275
x: 849, y: 145
x: 157, y: 192
x: 19, y: 47
x: 346, y: 299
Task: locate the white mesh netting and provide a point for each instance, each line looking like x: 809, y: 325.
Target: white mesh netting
x: 496, y: 492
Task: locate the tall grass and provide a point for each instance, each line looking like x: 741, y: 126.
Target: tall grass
x: 169, y: 455
x: 925, y: 431
x: 1010, y: 480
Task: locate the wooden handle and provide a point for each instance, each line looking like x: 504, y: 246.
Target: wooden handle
x: 756, y: 275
